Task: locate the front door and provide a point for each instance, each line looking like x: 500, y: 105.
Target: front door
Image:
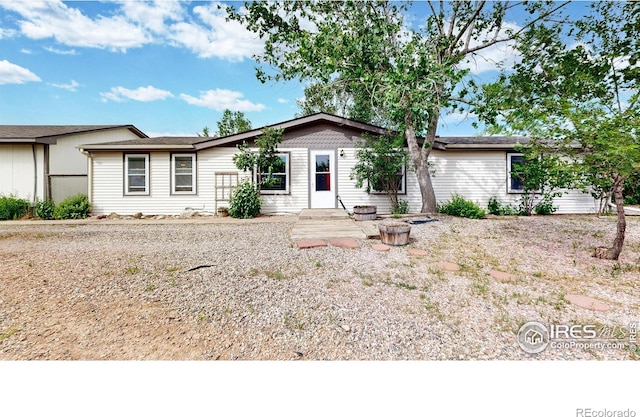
x: 322, y: 179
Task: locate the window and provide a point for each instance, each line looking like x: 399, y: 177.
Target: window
x: 183, y: 173
x: 279, y: 183
x: 402, y: 180
x: 514, y: 183
x: 136, y: 179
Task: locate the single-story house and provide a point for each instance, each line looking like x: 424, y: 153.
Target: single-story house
x: 42, y: 162
x: 166, y: 175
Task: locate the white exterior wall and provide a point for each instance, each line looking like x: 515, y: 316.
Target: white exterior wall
x: 476, y: 175
x: 66, y: 159
x: 17, y: 172
x: 298, y: 197
x: 352, y: 196
x: 479, y: 175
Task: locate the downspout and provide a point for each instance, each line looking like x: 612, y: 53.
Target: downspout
x: 89, y: 175
x: 35, y: 175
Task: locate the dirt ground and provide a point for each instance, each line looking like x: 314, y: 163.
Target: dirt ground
x: 78, y: 291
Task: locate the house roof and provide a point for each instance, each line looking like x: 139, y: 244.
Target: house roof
x: 49, y: 134
x: 479, y: 142
x: 157, y: 143
x: 198, y: 142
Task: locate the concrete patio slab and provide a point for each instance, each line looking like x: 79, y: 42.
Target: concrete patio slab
x: 448, y: 266
x: 586, y: 302
x: 381, y: 247
x: 310, y: 243
x: 345, y: 242
x: 502, y: 276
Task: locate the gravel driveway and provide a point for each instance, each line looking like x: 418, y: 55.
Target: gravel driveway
x: 241, y: 290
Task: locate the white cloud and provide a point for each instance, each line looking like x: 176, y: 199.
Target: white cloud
x: 6, y: 33
x: 15, y: 74
x: 69, y: 26
x: 61, y: 51
x: 72, y: 86
x: 149, y: 93
x: 205, y: 31
x: 217, y: 37
x: 500, y: 55
x: 26, y: 51
x: 220, y: 100
x: 283, y: 100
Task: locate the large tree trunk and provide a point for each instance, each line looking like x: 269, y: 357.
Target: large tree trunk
x: 419, y: 157
x: 614, y: 252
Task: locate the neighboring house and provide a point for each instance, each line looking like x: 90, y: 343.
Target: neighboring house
x: 43, y: 162
x: 169, y: 174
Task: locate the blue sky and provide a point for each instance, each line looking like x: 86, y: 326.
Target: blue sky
x: 169, y: 68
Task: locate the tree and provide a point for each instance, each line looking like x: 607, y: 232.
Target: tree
x: 205, y: 132
x: 266, y: 161
x: 542, y: 176
x: 407, y: 77
x: 581, y: 101
x: 380, y: 167
x: 232, y: 123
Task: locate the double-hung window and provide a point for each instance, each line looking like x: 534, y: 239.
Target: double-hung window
x: 401, y: 180
x: 136, y: 174
x: 514, y: 181
x: 183, y: 173
x: 276, y: 182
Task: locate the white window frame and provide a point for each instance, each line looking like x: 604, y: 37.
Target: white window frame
x: 403, y: 184
x: 146, y: 173
x: 194, y: 169
x: 509, y: 189
x: 287, y: 173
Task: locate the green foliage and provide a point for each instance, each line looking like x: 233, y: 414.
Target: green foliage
x: 13, y: 208
x: 266, y: 161
x: 542, y: 175
x: 402, y: 207
x: 461, y: 207
x: 73, y: 207
x: 381, y: 161
x: 404, y: 76
x: 545, y: 207
x: 45, y: 209
x: 245, y: 201
x: 497, y: 208
x: 632, y: 189
x: 232, y: 123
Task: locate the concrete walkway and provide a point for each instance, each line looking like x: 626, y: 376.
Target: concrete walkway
x: 330, y: 223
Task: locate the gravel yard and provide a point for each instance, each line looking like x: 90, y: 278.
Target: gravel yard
x: 228, y: 290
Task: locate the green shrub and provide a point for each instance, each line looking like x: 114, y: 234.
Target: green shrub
x: 497, y: 208
x: 459, y: 206
x: 45, y: 209
x: 545, y: 207
x: 245, y: 201
x: 74, y: 207
x: 13, y: 208
x: 401, y: 208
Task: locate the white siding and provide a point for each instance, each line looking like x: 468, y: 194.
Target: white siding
x: 17, y: 172
x: 66, y: 159
x: 476, y: 175
x: 352, y: 196
x: 298, y: 198
x: 479, y: 175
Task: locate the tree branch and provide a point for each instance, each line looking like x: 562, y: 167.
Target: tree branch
x: 514, y: 35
